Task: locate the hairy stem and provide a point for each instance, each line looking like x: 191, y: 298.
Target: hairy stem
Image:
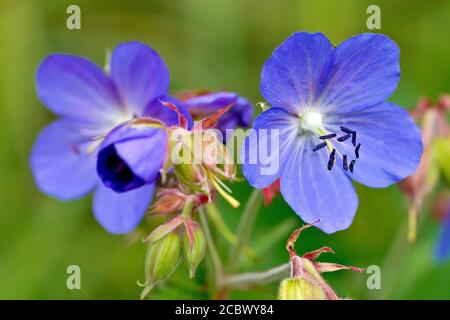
x: 245, y: 227
x: 211, y: 248
x: 246, y: 280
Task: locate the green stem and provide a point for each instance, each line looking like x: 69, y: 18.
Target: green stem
x: 217, y: 220
x: 218, y: 268
x: 245, y: 227
x: 245, y: 280
x: 399, y: 249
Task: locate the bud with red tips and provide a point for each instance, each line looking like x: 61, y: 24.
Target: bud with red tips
x: 305, y: 282
x: 194, y: 245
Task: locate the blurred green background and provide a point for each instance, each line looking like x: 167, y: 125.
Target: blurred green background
x: 214, y: 45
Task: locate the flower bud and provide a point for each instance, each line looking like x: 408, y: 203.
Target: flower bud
x: 193, y: 176
x: 300, y: 289
x: 161, y: 259
x: 194, y: 246
x: 169, y: 200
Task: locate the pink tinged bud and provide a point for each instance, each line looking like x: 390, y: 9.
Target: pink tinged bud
x: 161, y: 259
x: 300, y: 289
x: 312, y: 285
x: 163, y: 230
x: 194, y: 246
x: 168, y: 201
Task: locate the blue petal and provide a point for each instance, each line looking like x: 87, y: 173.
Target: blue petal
x: 206, y: 104
x: 362, y: 71
x: 290, y: 76
x: 131, y: 156
x: 169, y: 117
x: 120, y: 213
x: 315, y: 192
x: 391, y: 144
x: 442, y: 250
x: 59, y: 162
x: 245, y: 109
x: 76, y: 88
x: 241, y: 114
x: 262, y: 162
x: 140, y: 75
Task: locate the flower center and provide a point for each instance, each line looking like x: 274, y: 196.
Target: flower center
x: 311, y: 121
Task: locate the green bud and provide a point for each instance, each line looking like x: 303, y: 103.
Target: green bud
x: 161, y: 259
x: 193, y: 176
x: 194, y: 246
x: 300, y: 289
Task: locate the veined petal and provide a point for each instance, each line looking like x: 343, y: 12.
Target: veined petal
x: 140, y: 75
x: 131, y: 156
x: 391, y: 144
x: 314, y: 192
x: 442, y: 250
x: 267, y: 147
x: 362, y: 71
x: 59, y: 162
x: 290, y: 76
x: 76, y: 88
x: 120, y: 213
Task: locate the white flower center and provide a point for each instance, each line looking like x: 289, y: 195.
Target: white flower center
x: 311, y: 121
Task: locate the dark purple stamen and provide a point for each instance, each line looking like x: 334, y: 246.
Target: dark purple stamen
x: 331, y: 159
x: 357, y: 150
x: 328, y: 136
x: 343, y: 138
x: 344, y: 159
x: 352, y: 164
x: 347, y: 130
x: 319, y: 146
x: 354, y: 138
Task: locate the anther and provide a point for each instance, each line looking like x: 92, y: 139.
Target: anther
x: 346, y: 130
x: 352, y: 164
x: 343, y: 138
x: 328, y: 136
x: 357, y: 150
x: 331, y: 159
x: 319, y: 146
x: 354, y: 138
x: 344, y: 159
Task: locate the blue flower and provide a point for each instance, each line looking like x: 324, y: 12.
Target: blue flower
x: 334, y: 124
x: 101, y: 116
x: 442, y: 250
x: 204, y: 104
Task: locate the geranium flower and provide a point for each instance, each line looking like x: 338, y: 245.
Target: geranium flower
x: 106, y: 110
x: 329, y: 107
